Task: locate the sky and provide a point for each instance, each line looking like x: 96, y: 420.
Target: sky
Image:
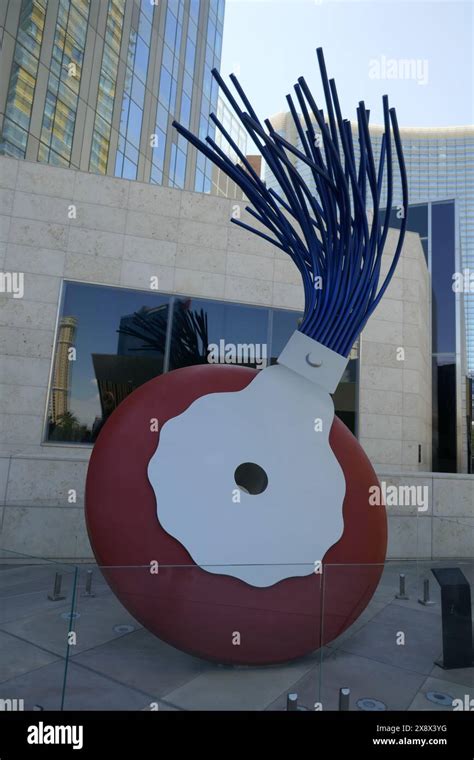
x: 270, y: 43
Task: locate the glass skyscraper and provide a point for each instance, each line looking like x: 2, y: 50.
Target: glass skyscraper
x: 96, y: 84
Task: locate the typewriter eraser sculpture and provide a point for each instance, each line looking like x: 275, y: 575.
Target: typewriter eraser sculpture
x: 292, y: 562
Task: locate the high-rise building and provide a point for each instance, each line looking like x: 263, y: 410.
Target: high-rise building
x: 96, y: 84
x: 440, y: 166
x: 61, y: 383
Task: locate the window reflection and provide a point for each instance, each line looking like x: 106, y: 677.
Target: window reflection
x: 140, y: 335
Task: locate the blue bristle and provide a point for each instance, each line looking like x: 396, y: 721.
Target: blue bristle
x: 334, y: 241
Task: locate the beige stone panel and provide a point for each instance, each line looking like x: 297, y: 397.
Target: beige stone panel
x: 205, y: 284
x: 381, y: 355
x: 8, y: 172
x: 409, y: 537
x: 410, y: 454
x: 413, y: 429
x: 95, y: 242
x: 24, y: 399
x: 255, y: 267
x: 206, y: 208
x: 96, y: 217
x: 412, y: 270
x: 154, y: 200
x: 3, y: 251
x: 151, y: 226
x: 378, y: 426
x: 453, y: 537
x: 385, y: 265
x: 454, y: 497
x: 6, y: 201
x: 24, y: 258
x: 41, y: 207
x: 205, y: 235
x: 45, y: 179
x: 19, y: 312
x: 242, y: 241
x: 412, y: 314
x: 414, y: 359
x: 48, y: 480
x: 412, y: 381
x: 248, y: 291
x: 287, y: 296
x: 286, y: 272
x: 21, y: 428
x: 137, y: 274
x: 414, y: 405
x: 202, y: 259
x: 33, y: 232
x: 83, y: 545
x: 149, y: 251
x: 379, y: 402
x: 15, y: 341
x: 19, y: 370
x: 4, y: 469
x: 4, y: 228
x: 382, y: 451
x: 381, y: 331
x: 413, y: 337
x: 395, y: 290
x: 412, y: 290
x: 92, y: 268
x: 42, y: 288
x: 389, y: 310
x: 106, y: 191
x: 412, y: 248
x: 382, y: 378
x: 47, y: 532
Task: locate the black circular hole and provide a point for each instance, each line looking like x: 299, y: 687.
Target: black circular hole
x: 251, y: 477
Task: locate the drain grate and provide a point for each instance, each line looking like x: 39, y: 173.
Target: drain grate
x: 371, y: 705
x: 446, y: 700
x: 69, y: 615
x: 123, y: 628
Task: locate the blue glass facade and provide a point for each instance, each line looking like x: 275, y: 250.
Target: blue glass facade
x: 210, y: 91
x: 131, y: 116
x: 118, y: 73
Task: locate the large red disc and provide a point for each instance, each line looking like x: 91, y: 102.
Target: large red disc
x: 199, y: 611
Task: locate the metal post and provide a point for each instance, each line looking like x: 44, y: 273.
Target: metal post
x: 402, y: 592
x: 426, y: 601
x: 56, y: 595
x: 292, y: 702
x: 344, y: 698
x: 88, y: 591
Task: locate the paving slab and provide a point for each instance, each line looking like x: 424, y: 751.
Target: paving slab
x: 95, y: 625
x: 231, y: 688
x: 463, y: 676
x: 378, y: 640
x: 84, y: 690
x: 17, y: 657
x: 438, y: 686
x: 142, y: 661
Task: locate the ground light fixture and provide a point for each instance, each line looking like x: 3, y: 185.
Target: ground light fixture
x: 239, y: 528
